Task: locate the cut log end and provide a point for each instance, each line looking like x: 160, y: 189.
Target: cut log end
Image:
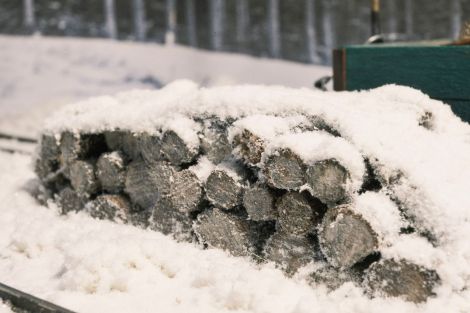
x: 185, y: 194
x: 68, y: 201
x: 214, y: 142
x: 285, y: 170
x: 169, y: 221
x: 290, y: 253
x: 175, y: 150
x: 298, y: 215
x: 47, y: 161
x: 345, y: 237
x: 83, y: 178
x: 401, y: 278
x: 146, y: 183
x: 224, y: 231
x: 327, y: 180
x: 150, y: 148
x: 111, y: 171
x: 125, y: 141
x: 223, y: 190
x: 249, y: 147
x: 259, y: 204
x: 111, y: 207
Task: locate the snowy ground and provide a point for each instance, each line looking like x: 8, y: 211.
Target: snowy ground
x: 39, y: 74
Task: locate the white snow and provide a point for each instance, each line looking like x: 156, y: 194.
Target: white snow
x: 97, y: 266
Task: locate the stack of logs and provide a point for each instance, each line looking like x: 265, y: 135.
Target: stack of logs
x: 251, y: 204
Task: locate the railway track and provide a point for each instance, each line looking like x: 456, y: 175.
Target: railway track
x: 26, y: 303
x: 10, y: 143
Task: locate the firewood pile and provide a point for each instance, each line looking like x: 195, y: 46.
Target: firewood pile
x: 242, y: 187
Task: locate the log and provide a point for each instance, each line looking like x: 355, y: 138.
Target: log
x: 327, y: 181
x: 400, y: 278
x: 185, y: 193
x: 331, y: 277
x: 284, y: 170
x: 224, y: 188
x: 150, y: 147
x: 68, y: 201
x: 111, y: 171
x: 345, y: 237
x: 298, y: 213
x: 110, y: 207
x: 83, y: 178
x: 214, y: 140
x: 317, y: 123
x: 288, y: 252
x: 76, y: 146
x: 175, y: 150
x: 248, y: 146
x: 171, y: 222
x: 47, y: 161
x: 259, y: 203
x: 125, y: 141
x: 221, y: 230
x: 146, y: 183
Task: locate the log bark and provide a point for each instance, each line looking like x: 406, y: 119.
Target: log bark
x: 146, y: 183
x: 298, y: 213
x: 224, y: 190
x: 83, y: 178
x: 221, y: 230
x: 169, y: 221
x: 259, y: 203
x: 185, y: 193
x: 288, y: 252
x: 327, y: 180
x: 214, y: 141
x: 111, y: 171
x: 68, y: 201
x: 110, y: 207
x: 175, y: 150
x: 345, y: 237
x: 400, y: 279
x: 248, y: 146
x: 284, y: 170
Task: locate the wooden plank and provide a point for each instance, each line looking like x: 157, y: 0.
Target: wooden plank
x: 439, y: 71
x: 339, y: 69
x: 461, y: 108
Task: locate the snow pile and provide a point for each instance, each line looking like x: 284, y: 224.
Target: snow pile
x: 416, y: 147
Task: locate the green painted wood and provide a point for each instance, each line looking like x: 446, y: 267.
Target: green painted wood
x: 460, y: 108
x: 443, y: 72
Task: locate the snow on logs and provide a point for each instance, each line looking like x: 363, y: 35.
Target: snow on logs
x: 282, y: 189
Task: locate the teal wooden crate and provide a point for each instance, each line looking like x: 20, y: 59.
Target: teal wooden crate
x: 443, y: 72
